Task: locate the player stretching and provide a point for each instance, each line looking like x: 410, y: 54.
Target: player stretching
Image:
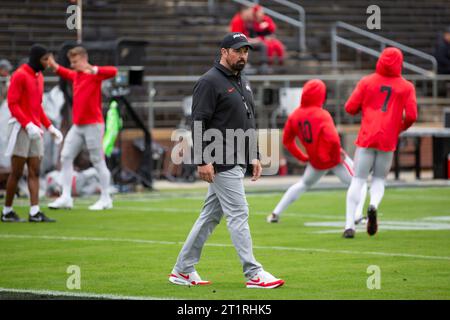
x: 315, y: 129
x: 88, y: 125
x: 388, y: 105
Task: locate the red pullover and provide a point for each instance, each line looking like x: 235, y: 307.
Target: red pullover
x: 25, y: 97
x: 387, y: 102
x: 237, y: 24
x: 87, y: 93
x: 315, y: 128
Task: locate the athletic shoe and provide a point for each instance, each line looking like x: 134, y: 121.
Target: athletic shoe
x: 349, y: 234
x: 40, y: 217
x: 372, y: 224
x: 11, y: 217
x: 264, y: 280
x: 61, y: 203
x: 102, y: 204
x: 273, y: 218
x: 188, y: 279
x: 362, y: 220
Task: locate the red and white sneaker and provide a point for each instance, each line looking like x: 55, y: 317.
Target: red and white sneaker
x: 264, y: 280
x: 188, y: 279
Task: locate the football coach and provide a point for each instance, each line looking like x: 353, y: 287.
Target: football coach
x: 223, y: 102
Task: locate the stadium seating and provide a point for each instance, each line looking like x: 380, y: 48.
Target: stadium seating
x: 183, y: 36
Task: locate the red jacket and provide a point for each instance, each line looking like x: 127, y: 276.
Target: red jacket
x: 87, y: 93
x: 265, y: 27
x: 237, y: 24
x: 25, y: 97
x: 315, y: 129
x: 387, y: 101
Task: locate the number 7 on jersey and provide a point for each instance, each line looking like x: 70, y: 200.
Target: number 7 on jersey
x: 388, y: 96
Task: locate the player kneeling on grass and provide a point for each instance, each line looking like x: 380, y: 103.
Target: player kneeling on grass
x: 26, y: 145
x: 88, y: 125
x: 388, y: 105
x: 315, y: 128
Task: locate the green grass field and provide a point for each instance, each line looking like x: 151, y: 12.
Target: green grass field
x: 130, y: 250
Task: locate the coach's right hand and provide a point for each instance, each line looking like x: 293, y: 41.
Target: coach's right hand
x: 206, y: 172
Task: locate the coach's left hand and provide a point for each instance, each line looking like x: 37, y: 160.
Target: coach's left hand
x: 257, y: 169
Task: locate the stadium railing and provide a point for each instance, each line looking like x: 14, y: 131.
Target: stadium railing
x: 339, y: 87
x: 383, y: 42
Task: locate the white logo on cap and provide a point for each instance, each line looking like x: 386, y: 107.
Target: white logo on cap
x: 239, y: 35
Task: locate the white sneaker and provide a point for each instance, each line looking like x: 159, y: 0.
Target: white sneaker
x: 264, y: 280
x: 102, y: 204
x: 273, y: 218
x: 188, y: 279
x: 61, y: 203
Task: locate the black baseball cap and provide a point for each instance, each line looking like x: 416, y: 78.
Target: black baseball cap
x: 235, y: 40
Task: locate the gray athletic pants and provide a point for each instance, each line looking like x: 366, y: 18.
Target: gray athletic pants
x: 367, y: 159
x: 226, y: 196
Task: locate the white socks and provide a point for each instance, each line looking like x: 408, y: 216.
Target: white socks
x: 7, y: 210
x: 356, y: 195
x: 66, y: 178
x: 292, y: 194
x: 353, y: 199
x: 105, y: 178
x: 34, y: 210
x: 362, y: 201
x: 376, y: 191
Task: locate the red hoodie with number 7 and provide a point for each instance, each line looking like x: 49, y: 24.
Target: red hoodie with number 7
x: 315, y: 128
x: 387, y: 102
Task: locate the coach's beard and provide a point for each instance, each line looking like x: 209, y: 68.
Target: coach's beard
x: 238, y: 66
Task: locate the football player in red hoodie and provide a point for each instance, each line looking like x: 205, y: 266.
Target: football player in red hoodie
x: 315, y: 128
x: 88, y: 125
x: 388, y: 105
x: 26, y: 145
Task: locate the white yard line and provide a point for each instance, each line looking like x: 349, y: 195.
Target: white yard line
x: 277, y: 248
x: 81, y: 294
x: 197, y: 211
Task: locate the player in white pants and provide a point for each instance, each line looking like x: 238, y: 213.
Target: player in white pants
x: 344, y: 171
x: 88, y: 124
x: 367, y: 160
x: 78, y: 137
x: 388, y: 106
x: 314, y: 127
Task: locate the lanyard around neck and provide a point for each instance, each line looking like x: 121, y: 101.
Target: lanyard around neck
x: 241, y: 92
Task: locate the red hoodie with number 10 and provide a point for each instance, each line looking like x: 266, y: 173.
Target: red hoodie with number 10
x: 315, y: 128
x: 387, y: 102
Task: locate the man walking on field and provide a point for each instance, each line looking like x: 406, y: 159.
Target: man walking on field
x: 223, y: 101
